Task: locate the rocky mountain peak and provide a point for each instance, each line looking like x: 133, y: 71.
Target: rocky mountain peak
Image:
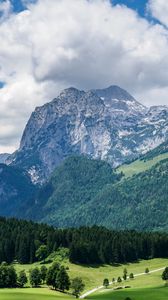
x: 107, y: 124
x: 70, y: 93
x: 120, y: 101
x: 114, y: 92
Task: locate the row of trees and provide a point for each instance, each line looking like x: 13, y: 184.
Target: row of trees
x: 125, y: 276
x: 9, y: 277
x: 106, y: 282
x: 55, y: 277
x: 28, y: 242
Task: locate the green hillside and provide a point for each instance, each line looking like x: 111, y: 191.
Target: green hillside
x: 141, y: 165
x: 93, y: 275
x: 140, y: 202
x: 142, y: 287
x: 146, y: 161
x: 88, y: 192
x: 72, y: 186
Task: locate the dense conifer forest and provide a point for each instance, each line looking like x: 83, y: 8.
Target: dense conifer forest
x: 87, y: 192
x: 19, y: 240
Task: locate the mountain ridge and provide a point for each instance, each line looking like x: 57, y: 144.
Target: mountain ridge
x: 93, y: 123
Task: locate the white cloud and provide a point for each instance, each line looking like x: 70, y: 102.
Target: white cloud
x: 87, y: 44
x: 5, y: 10
x: 159, y: 10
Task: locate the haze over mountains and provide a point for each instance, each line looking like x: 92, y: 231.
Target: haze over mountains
x: 107, y: 124
x: 63, y: 173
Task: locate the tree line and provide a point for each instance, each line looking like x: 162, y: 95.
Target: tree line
x: 21, y: 241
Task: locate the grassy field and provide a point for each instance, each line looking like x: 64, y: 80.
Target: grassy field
x: 145, y: 287
x: 93, y: 275
x: 32, y: 294
x: 139, y: 166
x: 154, y: 293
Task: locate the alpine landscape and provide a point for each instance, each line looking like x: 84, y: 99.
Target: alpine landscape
x: 83, y: 150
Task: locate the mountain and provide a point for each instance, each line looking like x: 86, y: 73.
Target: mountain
x: 107, y: 124
x: 119, y: 130
x: 17, y: 192
x: 87, y: 192
x: 3, y: 157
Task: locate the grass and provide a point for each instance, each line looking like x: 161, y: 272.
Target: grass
x: 154, y: 293
x: 93, y: 275
x: 145, y: 287
x: 139, y: 166
x: 32, y: 294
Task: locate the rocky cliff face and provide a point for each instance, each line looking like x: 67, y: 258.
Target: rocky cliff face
x: 107, y: 124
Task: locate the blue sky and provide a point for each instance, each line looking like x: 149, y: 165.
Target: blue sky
x: 17, y: 4
x: 138, y: 5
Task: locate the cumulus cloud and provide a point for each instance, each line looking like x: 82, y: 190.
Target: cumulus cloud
x: 84, y: 43
x: 159, y: 10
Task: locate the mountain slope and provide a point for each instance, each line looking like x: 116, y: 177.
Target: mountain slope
x: 86, y: 192
x: 71, y: 187
x: 160, y: 150
x: 16, y: 192
x: 140, y: 202
x: 146, y: 161
x: 107, y: 124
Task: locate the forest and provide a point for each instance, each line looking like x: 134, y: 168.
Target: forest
x: 20, y: 240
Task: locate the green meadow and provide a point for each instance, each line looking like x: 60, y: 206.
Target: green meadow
x: 145, y: 287
x: 153, y: 293
x: 93, y: 275
x: 31, y: 294
x: 139, y: 166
